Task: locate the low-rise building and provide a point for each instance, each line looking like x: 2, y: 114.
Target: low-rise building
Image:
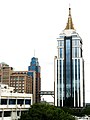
x: 13, y: 104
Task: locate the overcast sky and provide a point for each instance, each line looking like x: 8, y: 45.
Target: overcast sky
x: 28, y: 25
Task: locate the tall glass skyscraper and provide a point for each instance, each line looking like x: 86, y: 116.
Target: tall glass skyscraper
x: 34, y: 66
x: 69, y: 68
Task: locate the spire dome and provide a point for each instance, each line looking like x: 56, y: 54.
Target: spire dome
x: 69, y: 23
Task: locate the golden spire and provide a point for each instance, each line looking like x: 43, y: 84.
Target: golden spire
x: 69, y: 23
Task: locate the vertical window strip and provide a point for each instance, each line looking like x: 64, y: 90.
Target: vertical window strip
x: 61, y: 53
x: 58, y: 82
x: 76, y: 81
x: 68, y: 69
x: 76, y: 52
x: 62, y: 83
x: 77, y: 84
x: 79, y: 79
x: 72, y: 77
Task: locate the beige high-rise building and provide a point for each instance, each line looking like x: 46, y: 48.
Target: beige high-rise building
x: 5, y: 72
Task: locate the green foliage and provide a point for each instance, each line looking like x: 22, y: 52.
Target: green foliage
x: 73, y: 111
x: 42, y: 111
x: 77, y: 111
x: 86, y: 111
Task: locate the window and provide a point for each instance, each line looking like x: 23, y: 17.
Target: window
x: 12, y: 101
x: 74, y: 36
x: 19, y: 90
x: 3, y: 101
x: 62, y: 36
x: 15, y: 78
x: 0, y: 114
x: 75, y: 42
x: 7, y: 113
x: 20, y: 101
x: 76, y: 69
x: 68, y: 68
x: 28, y: 102
x: 61, y: 52
x: 75, y: 52
x: 17, y: 84
x: 21, y: 78
x: 61, y: 43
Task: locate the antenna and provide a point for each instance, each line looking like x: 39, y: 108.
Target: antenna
x: 69, y: 10
x: 69, y: 5
x: 34, y: 52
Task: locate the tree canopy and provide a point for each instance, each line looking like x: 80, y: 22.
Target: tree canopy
x: 80, y: 112
x: 42, y: 111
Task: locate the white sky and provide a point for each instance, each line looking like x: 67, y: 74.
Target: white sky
x: 28, y: 25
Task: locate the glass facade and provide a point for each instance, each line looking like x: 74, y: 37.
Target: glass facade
x: 61, y: 52
x: 70, y: 72
x: 34, y: 66
x: 68, y: 68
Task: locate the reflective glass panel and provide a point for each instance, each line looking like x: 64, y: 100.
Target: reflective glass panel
x: 68, y: 68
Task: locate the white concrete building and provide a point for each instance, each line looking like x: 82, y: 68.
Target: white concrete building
x: 13, y: 104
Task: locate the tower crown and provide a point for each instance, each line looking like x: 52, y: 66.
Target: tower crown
x: 69, y: 23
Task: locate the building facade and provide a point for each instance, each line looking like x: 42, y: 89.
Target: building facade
x: 21, y: 82
x: 34, y: 66
x: 69, y: 68
x: 12, y: 104
x: 5, y: 72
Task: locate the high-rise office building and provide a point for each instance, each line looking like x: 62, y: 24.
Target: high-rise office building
x: 34, y: 66
x: 5, y: 72
x: 69, y: 68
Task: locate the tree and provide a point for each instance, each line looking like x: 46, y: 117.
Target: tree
x: 44, y: 111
